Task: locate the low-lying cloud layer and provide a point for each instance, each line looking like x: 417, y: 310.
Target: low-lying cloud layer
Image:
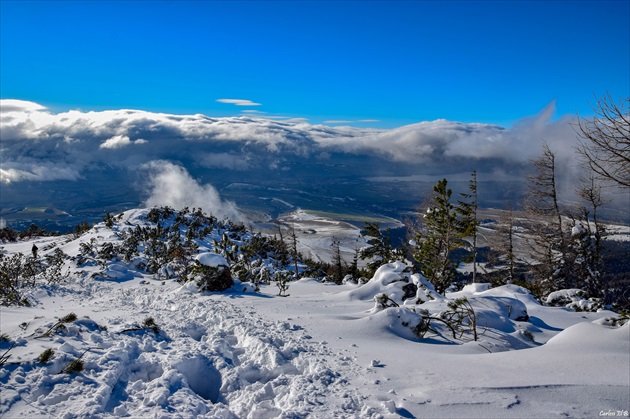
x: 38, y: 145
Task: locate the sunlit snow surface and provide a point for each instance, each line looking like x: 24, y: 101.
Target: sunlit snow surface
x: 321, y: 352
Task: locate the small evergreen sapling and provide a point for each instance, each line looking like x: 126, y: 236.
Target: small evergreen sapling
x: 379, y: 250
x: 282, y: 282
x: 458, y: 318
x: 382, y: 301
x: 4, y: 357
x: 147, y: 324
x: 461, y: 316
x: 45, y: 356
x: 467, y: 222
x: 74, y: 367
x: 60, y: 325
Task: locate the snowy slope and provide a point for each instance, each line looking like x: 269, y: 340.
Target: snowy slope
x: 322, y: 352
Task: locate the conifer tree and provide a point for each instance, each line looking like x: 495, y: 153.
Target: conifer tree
x: 337, y: 268
x: 467, y: 223
x: 503, y: 244
x: 439, y: 237
x: 353, y: 269
x: 379, y: 250
x: 294, y: 249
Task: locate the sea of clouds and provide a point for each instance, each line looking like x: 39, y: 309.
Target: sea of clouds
x: 39, y: 145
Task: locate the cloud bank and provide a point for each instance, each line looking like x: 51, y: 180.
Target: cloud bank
x: 38, y: 145
x: 32, y: 135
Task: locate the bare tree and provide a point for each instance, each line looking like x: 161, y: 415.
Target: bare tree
x: 549, y: 247
x: 591, y: 192
x: 587, y: 239
x: 605, y: 140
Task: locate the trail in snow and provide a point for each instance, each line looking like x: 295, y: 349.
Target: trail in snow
x: 211, y: 358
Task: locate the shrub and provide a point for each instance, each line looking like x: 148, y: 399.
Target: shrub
x: 382, y: 301
x: 461, y: 315
x: 45, y: 356
x: 282, y: 282
x: 149, y: 323
x: 4, y: 357
x: 68, y: 318
x: 74, y: 367
x: 212, y: 278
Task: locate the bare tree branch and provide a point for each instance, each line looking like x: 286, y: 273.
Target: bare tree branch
x: 605, y: 140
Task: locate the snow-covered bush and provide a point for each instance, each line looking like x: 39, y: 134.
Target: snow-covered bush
x: 18, y: 273
x: 382, y: 301
x: 211, y: 272
x: 459, y: 316
x: 574, y: 298
x: 165, y: 243
x: 399, y: 284
x: 614, y: 321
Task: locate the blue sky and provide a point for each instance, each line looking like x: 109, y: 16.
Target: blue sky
x: 394, y: 62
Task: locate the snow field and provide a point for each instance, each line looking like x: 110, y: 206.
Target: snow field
x: 323, y: 352
x: 211, y: 359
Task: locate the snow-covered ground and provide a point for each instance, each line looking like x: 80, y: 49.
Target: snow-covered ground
x: 316, y: 234
x: 324, y: 352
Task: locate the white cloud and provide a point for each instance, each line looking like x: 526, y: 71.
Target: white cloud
x: 239, y: 102
x: 117, y: 141
x: 14, y: 105
x: 33, y: 137
x: 44, y: 171
x: 349, y: 121
x: 120, y: 141
x: 171, y: 185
